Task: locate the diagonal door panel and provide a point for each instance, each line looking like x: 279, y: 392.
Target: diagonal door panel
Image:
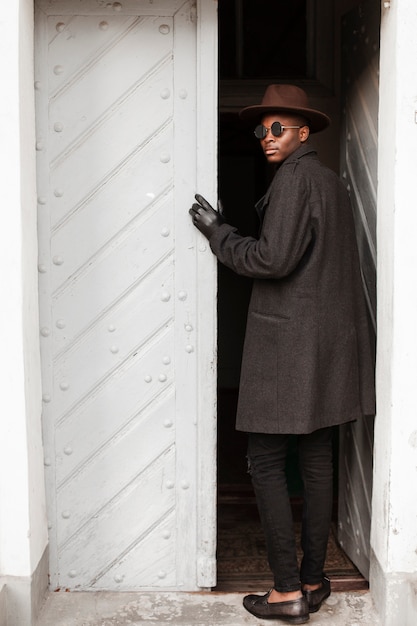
x: 113, y: 207
x: 108, y: 148
x: 109, y: 348
x: 115, y: 84
x: 98, y: 283
x: 96, y: 542
x: 159, y: 549
x: 116, y: 314
x: 96, y: 485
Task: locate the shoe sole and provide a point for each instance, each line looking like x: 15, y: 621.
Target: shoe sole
x: 290, y: 620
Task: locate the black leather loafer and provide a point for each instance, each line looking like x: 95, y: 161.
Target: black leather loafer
x: 316, y: 597
x: 291, y: 611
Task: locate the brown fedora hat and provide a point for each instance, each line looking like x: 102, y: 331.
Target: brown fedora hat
x: 289, y: 99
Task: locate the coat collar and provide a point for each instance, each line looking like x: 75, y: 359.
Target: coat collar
x: 302, y: 151
x: 294, y: 158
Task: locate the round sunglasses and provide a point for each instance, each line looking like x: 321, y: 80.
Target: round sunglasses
x: 276, y: 129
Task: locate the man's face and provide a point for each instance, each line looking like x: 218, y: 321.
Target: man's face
x: 277, y: 149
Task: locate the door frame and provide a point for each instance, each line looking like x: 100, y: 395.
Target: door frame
x: 393, y: 531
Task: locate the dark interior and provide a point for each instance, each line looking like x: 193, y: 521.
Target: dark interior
x: 247, y: 52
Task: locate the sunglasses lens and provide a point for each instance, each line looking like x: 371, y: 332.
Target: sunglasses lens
x: 276, y: 129
x: 260, y: 132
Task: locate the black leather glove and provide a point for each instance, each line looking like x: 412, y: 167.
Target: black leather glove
x: 204, y: 217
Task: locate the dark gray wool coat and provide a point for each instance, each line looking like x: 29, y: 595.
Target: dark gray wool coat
x: 307, y: 360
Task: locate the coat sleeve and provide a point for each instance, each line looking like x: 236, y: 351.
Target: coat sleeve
x: 285, y: 235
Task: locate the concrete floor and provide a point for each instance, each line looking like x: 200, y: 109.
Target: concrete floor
x: 188, y: 609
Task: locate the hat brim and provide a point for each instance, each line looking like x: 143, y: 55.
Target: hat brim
x: 317, y: 120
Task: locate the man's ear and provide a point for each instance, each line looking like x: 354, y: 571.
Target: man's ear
x: 304, y: 133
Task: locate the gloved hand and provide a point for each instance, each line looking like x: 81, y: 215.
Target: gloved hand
x: 204, y: 217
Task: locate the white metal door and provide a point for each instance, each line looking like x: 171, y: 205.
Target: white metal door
x: 116, y: 144
x: 360, y: 57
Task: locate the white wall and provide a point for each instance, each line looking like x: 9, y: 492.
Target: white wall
x: 394, y: 532
x: 23, y: 530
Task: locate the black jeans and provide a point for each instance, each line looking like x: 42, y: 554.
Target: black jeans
x: 266, y: 462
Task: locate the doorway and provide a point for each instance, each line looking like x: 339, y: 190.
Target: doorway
x: 243, y: 179
x: 241, y: 552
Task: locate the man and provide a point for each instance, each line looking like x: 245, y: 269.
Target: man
x: 307, y: 363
